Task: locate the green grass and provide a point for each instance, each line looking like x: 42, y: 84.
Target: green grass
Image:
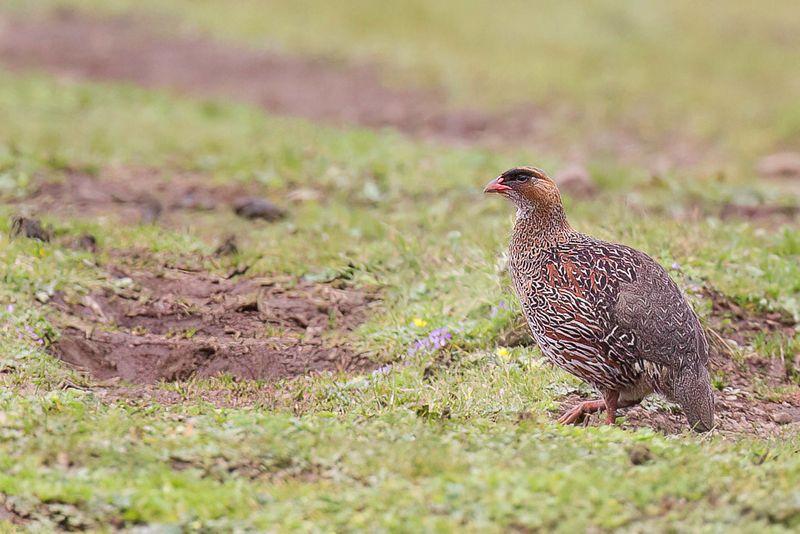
x: 470, y: 445
x: 395, y: 451
x: 249, y: 469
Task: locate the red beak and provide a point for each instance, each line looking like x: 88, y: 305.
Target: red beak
x: 496, y: 186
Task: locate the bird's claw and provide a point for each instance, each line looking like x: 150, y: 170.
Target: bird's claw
x: 574, y: 414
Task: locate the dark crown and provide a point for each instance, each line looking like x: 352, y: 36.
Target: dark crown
x: 521, y: 174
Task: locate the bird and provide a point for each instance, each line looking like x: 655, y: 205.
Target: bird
x: 604, y: 312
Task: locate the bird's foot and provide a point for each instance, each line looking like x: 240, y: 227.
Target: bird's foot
x: 574, y: 414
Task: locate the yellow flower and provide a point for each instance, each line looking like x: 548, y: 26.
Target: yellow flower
x: 503, y: 352
x: 419, y: 322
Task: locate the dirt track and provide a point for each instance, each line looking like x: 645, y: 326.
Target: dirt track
x: 132, y: 49
x: 127, y: 49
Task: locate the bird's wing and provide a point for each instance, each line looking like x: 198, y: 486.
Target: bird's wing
x: 652, y: 314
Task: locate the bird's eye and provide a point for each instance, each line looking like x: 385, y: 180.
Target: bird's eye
x: 519, y: 178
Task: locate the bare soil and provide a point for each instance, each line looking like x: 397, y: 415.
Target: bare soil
x: 753, y: 398
x: 137, y: 194
x: 8, y: 514
x: 135, y: 49
x: 131, y: 49
x: 741, y: 324
x: 739, y: 408
x: 772, y: 214
x: 173, y: 325
x: 769, y: 215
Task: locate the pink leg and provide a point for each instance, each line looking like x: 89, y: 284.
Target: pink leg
x: 610, y: 403
x: 575, y: 413
x: 611, y: 400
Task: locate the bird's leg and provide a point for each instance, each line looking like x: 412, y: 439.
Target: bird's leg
x: 610, y: 403
x: 611, y: 399
x: 575, y: 413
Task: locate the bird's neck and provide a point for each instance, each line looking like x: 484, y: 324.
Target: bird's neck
x: 541, y: 226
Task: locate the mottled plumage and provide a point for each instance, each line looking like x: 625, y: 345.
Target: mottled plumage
x: 606, y: 313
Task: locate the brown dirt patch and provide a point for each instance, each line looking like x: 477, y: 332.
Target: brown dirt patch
x: 742, y: 407
x: 136, y: 194
x: 768, y: 213
x: 132, y: 49
x: 782, y: 165
x: 9, y: 515
x: 739, y: 408
x: 742, y: 324
x: 175, y: 325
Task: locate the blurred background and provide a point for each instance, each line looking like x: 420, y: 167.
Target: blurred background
x: 657, y: 84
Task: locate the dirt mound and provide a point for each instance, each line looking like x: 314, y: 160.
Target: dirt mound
x: 742, y: 406
x: 176, y: 324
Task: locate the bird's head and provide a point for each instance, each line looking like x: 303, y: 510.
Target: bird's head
x: 527, y: 187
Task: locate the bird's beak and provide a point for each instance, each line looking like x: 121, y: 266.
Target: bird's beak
x: 496, y: 186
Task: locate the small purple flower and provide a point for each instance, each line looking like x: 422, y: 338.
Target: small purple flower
x: 676, y: 266
x: 385, y: 370
x: 502, y: 305
x: 439, y: 337
x: 10, y: 308
x: 433, y: 341
x: 29, y: 333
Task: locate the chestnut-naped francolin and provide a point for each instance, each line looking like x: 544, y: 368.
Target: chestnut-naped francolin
x: 603, y: 312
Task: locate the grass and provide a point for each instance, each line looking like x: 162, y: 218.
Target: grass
x: 384, y: 450
x: 468, y: 444
x: 396, y: 472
